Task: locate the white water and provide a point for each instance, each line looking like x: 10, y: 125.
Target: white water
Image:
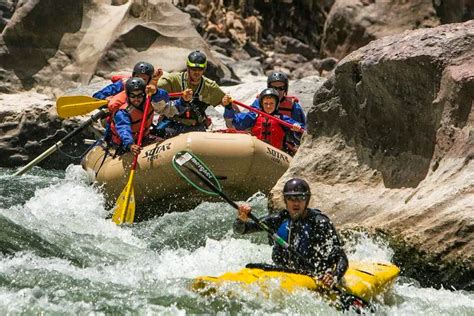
x: 75, y: 260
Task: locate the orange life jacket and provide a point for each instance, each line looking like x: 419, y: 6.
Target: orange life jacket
x: 269, y: 131
x: 116, y: 102
x: 136, y: 119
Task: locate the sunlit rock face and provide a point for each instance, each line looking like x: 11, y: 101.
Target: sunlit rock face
x: 53, y: 46
x: 390, y: 141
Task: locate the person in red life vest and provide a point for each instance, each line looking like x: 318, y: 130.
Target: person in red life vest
x: 262, y: 127
x: 142, y: 69
x: 126, y: 121
x: 289, y: 105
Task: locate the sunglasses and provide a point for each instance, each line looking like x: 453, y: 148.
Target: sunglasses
x: 136, y: 96
x: 295, y: 197
x: 279, y: 88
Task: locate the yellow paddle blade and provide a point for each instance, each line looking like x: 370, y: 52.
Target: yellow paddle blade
x: 68, y: 106
x: 125, y: 205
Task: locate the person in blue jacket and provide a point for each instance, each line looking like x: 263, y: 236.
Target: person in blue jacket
x: 142, y: 69
x: 263, y: 127
x: 308, y: 232
x: 126, y: 121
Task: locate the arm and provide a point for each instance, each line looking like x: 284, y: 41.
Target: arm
x: 123, y: 125
x: 241, y: 121
x: 162, y: 105
x: 298, y: 114
x: 110, y: 90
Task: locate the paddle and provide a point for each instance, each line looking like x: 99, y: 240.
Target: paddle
x: 248, y: 107
x: 68, y: 106
x: 125, y: 205
x: 99, y: 115
x: 189, y: 166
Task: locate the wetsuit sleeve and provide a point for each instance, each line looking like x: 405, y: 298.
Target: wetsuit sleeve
x: 336, y: 258
x: 110, y: 90
x: 288, y: 120
x: 123, y: 125
x: 248, y: 227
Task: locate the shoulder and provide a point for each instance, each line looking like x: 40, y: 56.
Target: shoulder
x: 292, y: 99
x: 170, y: 76
x: 210, y: 83
x: 318, y: 216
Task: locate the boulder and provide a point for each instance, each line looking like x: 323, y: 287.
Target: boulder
x: 87, y: 38
x: 354, y: 23
x: 390, y: 145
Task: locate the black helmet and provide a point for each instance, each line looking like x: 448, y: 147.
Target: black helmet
x: 143, y: 68
x: 134, y: 83
x: 297, y: 187
x: 196, y: 59
x: 278, y: 76
x: 269, y: 92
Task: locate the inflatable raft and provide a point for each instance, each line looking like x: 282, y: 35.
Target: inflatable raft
x: 243, y: 164
x: 364, y: 280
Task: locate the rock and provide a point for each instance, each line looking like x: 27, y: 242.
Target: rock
x: 61, y: 54
x: 29, y: 125
x: 352, y: 23
x: 389, y: 144
x: 290, y: 45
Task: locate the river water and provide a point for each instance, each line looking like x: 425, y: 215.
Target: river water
x: 61, y: 254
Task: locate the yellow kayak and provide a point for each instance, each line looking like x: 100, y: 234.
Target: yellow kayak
x: 364, y: 280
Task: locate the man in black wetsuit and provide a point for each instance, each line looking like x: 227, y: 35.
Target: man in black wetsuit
x: 308, y: 232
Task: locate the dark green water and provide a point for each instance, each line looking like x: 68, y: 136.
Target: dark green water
x: 60, y: 254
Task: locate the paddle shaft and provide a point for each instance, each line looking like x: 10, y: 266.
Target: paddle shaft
x: 248, y: 107
x: 59, y: 144
x: 142, y: 130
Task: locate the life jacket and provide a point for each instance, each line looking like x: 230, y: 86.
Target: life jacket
x: 136, y: 119
x: 116, y: 78
x: 269, y: 131
x: 116, y: 102
x: 195, y: 112
x: 285, y: 106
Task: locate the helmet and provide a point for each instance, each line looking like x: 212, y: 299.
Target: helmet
x: 135, y: 83
x: 143, y: 68
x: 296, y: 187
x: 269, y: 92
x: 196, y: 59
x: 278, y: 76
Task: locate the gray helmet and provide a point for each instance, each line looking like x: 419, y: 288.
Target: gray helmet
x: 143, y: 68
x: 269, y: 92
x: 134, y: 83
x: 278, y: 76
x: 297, y: 187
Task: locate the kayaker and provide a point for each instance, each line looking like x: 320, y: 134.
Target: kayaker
x: 288, y: 105
x: 308, y: 231
x: 204, y: 92
x: 262, y: 127
x: 125, y: 124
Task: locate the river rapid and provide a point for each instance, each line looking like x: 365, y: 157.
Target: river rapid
x: 61, y: 254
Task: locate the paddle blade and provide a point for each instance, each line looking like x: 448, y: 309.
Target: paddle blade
x: 191, y: 169
x: 125, y: 205
x: 68, y: 106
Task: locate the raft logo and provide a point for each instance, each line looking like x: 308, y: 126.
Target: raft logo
x: 276, y: 156
x: 152, y: 154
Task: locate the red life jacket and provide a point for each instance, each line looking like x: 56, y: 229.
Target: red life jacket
x: 136, y: 118
x: 286, y: 105
x: 269, y: 131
